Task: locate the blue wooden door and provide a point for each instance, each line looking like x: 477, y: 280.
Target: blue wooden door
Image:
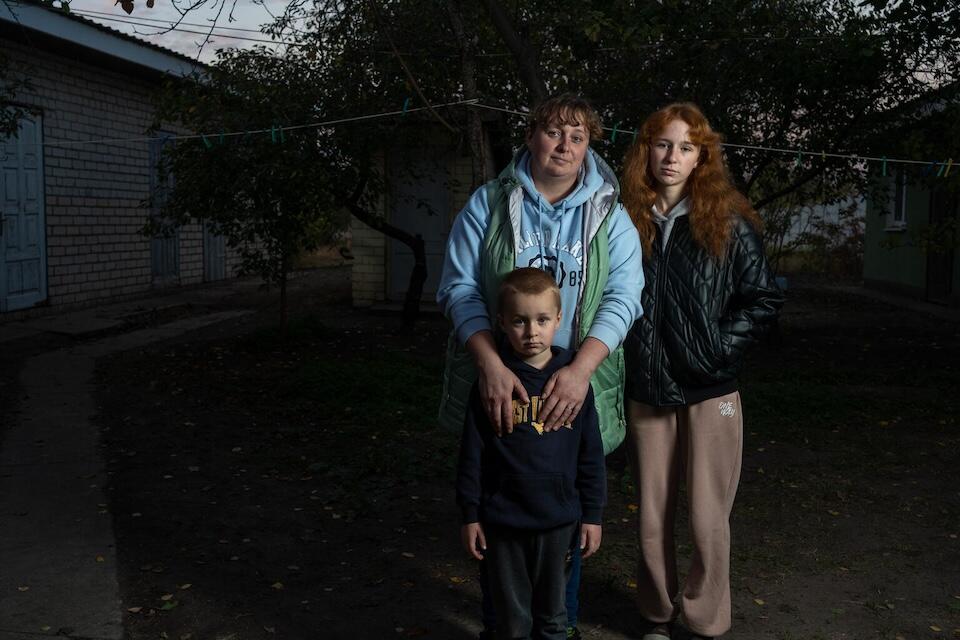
x: 164, y: 249
x: 23, y: 245
x: 214, y: 255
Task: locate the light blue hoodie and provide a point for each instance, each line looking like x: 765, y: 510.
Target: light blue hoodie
x: 551, y: 238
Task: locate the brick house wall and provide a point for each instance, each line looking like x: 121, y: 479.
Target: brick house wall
x: 93, y: 192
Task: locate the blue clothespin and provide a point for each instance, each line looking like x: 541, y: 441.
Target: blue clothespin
x: 206, y: 143
x: 406, y: 104
x: 884, y: 167
x: 613, y: 136
x: 927, y: 170
x: 943, y: 165
x: 221, y: 137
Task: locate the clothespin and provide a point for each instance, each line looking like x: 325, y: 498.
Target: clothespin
x: 799, y: 160
x: 823, y: 157
x: 221, y: 137
x: 273, y: 134
x: 613, y: 136
x: 928, y: 169
x: 884, y: 167
x: 943, y: 165
x: 206, y: 143
x: 949, y: 165
x: 635, y: 135
x: 406, y: 104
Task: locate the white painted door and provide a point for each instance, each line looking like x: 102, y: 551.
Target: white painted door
x: 420, y: 202
x: 23, y: 243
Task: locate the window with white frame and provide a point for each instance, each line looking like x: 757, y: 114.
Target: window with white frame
x: 897, y: 209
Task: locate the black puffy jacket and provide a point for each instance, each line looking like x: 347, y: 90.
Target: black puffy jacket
x: 699, y: 317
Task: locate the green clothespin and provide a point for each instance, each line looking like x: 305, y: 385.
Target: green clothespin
x: 943, y: 165
x: 799, y: 160
x: 635, y: 135
x: 613, y: 136
x: 206, y: 143
x: 406, y: 104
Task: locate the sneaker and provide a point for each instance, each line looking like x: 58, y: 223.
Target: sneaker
x: 573, y: 634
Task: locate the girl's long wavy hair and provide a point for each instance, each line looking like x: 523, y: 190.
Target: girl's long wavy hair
x: 714, y: 201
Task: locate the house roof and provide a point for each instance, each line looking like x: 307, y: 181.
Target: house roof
x: 50, y: 21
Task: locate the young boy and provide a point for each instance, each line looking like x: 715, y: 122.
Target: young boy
x: 529, y: 496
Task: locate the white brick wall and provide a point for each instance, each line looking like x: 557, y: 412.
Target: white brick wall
x: 93, y: 193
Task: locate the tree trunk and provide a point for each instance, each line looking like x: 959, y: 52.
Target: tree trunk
x: 468, y: 47
x: 528, y: 64
x: 411, y: 304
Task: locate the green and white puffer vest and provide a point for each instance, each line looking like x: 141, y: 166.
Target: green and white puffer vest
x: 505, y: 198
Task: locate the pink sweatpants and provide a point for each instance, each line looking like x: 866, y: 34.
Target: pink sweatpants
x: 702, y: 444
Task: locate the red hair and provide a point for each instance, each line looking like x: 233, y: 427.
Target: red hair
x: 714, y: 201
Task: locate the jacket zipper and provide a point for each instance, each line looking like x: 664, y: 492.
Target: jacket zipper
x: 655, y: 378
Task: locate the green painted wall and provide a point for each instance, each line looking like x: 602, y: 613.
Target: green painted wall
x: 902, y: 268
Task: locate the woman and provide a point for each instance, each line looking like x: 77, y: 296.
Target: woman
x: 708, y: 295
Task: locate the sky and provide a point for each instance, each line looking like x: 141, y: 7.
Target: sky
x: 146, y: 23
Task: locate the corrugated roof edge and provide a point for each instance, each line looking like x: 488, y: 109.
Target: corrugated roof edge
x: 113, y: 32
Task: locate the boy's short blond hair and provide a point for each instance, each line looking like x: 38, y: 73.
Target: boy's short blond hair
x: 566, y: 108
x: 528, y: 281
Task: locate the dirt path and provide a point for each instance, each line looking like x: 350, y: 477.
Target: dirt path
x: 264, y: 488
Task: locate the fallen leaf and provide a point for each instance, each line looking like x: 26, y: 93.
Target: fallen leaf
x: 632, y: 584
x: 186, y: 586
x: 101, y: 559
x: 632, y: 508
x: 45, y: 627
x: 407, y: 554
x: 934, y: 627
x: 270, y: 629
x: 457, y: 580
x: 277, y: 585
x: 134, y: 609
x: 166, y: 596
x: 23, y: 588
x: 759, y: 601
x: 833, y: 513
x: 172, y: 604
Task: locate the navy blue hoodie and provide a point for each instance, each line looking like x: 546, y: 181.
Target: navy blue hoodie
x: 531, y: 479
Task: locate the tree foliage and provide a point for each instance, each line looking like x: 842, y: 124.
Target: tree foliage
x: 271, y: 193
x: 841, y: 76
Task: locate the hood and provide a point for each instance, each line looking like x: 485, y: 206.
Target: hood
x: 594, y: 174
x: 561, y: 358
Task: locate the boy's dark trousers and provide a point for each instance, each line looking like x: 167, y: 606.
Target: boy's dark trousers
x: 527, y: 575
